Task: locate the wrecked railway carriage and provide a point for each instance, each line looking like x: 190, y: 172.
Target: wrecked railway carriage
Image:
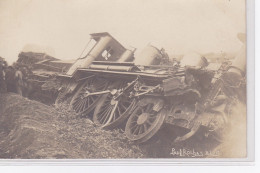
x: 38, y: 75
x: 142, y: 93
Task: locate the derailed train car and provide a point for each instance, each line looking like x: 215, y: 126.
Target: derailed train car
x: 142, y: 93
x: 30, y: 73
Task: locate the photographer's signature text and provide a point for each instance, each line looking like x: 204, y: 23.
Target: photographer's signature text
x: 184, y: 152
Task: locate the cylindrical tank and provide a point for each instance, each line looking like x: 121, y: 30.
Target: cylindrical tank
x: 240, y: 61
x: 194, y: 60
x: 149, y: 56
x: 126, y: 56
x: 95, y: 52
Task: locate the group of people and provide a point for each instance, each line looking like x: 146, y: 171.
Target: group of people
x: 12, y: 78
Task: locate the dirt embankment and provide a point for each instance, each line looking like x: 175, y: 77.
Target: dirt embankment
x: 32, y: 130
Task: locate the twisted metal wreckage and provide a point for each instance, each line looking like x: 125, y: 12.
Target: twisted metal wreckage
x: 143, y: 92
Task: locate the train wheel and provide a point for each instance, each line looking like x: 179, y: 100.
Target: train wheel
x: 144, y: 122
x: 110, y: 112
x: 113, y: 109
x: 82, y: 102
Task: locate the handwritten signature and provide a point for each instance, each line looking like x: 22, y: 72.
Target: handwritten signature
x: 183, y: 152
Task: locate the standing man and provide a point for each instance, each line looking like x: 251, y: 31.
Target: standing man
x: 3, y: 65
x: 10, y: 79
x: 19, y: 81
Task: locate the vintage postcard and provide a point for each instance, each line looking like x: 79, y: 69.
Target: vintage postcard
x: 123, y: 79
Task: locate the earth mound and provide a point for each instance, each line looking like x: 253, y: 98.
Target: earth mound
x: 32, y: 130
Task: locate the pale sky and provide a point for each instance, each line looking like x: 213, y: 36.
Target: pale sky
x: 62, y: 27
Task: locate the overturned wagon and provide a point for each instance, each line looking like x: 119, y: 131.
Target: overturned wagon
x: 140, y: 94
x: 32, y: 72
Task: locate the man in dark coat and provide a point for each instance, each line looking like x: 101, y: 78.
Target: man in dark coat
x: 3, y: 65
x: 10, y: 79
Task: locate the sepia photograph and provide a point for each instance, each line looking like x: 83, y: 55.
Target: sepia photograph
x: 123, y: 79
